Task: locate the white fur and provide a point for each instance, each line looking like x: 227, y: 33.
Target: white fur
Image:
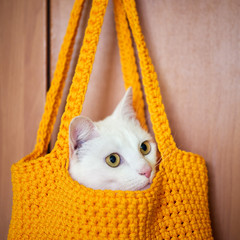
x: 91, y: 142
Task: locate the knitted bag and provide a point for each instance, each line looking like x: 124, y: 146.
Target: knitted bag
x: 49, y: 204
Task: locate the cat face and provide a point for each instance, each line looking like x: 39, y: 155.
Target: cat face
x: 115, y: 153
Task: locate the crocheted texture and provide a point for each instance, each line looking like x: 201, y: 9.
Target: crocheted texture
x: 54, y: 94
x: 128, y: 62
x: 49, y: 204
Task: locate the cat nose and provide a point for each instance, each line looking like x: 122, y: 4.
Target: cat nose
x: 146, y: 170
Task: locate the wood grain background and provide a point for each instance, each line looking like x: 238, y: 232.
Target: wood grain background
x: 195, y: 47
x: 22, y: 88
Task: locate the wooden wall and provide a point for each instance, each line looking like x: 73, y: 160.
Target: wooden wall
x: 22, y: 88
x: 195, y: 48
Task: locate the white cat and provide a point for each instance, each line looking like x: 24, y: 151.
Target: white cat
x: 115, y: 153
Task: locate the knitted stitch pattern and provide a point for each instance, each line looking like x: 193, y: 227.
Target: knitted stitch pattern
x: 49, y: 204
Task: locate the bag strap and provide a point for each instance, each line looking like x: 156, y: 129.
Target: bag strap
x: 166, y: 144
x: 54, y: 94
x: 82, y: 74
x: 128, y: 62
x: 161, y: 128
x: 81, y: 78
x: 53, y: 98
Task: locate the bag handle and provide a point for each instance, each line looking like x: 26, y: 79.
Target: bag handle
x: 81, y: 78
x: 53, y: 98
x: 128, y: 62
x: 82, y: 74
x: 54, y: 94
x: 166, y: 144
x: 161, y: 128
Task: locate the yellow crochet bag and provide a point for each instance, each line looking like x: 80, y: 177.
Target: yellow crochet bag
x: 48, y: 204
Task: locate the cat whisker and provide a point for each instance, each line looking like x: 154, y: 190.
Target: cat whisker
x: 165, y: 157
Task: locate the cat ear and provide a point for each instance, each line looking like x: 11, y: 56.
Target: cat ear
x: 81, y: 130
x: 125, y: 108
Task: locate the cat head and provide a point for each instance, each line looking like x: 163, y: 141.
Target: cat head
x: 115, y: 153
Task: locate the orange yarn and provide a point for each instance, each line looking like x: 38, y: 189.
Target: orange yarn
x: 49, y: 204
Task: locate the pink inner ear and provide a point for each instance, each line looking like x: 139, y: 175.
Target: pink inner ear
x: 76, y: 142
x: 74, y: 135
x: 81, y: 129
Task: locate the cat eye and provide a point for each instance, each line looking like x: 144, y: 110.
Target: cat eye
x: 113, y: 160
x: 145, y: 148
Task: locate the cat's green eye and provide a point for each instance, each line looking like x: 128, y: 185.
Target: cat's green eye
x: 145, y: 148
x: 113, y: 160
